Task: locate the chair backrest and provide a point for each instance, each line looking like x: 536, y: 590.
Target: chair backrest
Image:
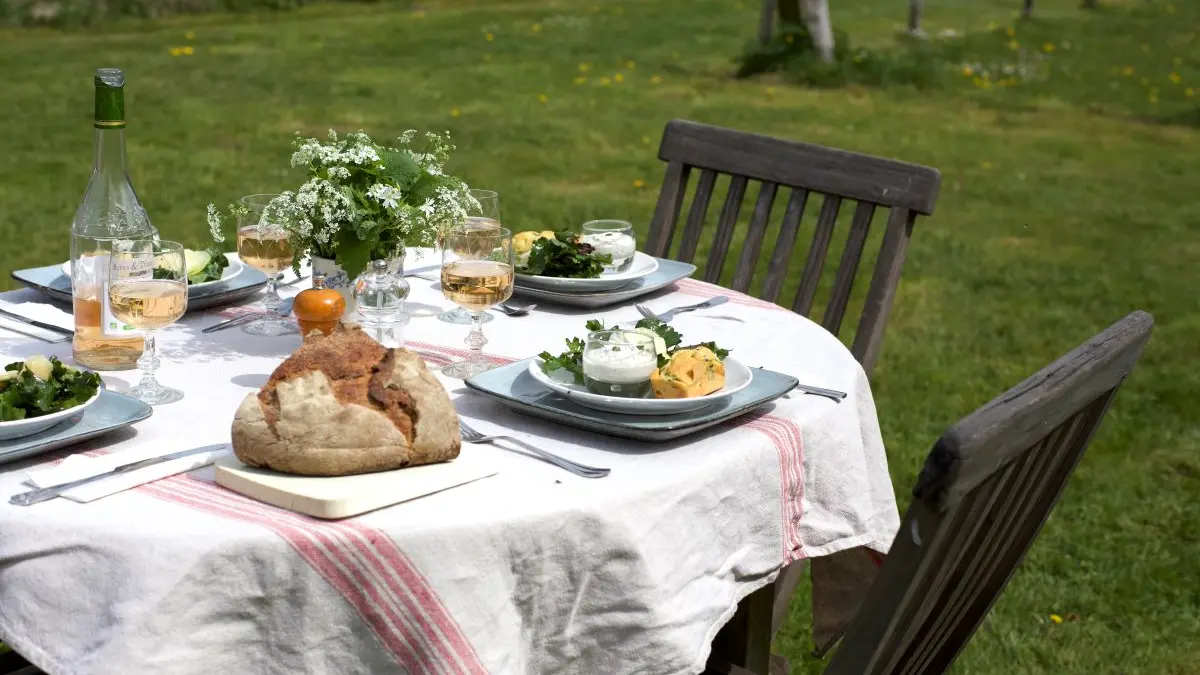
x: 985, y: 491
x: 907, y: 190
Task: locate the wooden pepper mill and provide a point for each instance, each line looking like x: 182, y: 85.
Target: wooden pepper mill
x: 318, y: 308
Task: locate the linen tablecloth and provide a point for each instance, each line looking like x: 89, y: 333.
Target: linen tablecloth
x: 531, y: 571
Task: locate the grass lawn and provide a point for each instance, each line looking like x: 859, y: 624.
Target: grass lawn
x: 1066, y: 203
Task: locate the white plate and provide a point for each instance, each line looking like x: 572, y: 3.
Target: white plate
x: 643, y: 266
x: 737, y: 378
x: 33, y: 425
x: 235, y: 268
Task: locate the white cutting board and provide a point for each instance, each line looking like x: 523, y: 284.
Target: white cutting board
x: 344, y: 496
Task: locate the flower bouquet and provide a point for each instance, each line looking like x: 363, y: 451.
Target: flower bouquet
x: 363, y: 200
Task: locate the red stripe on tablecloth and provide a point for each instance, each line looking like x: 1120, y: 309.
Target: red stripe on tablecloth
x: 785, y: 435
x: 354, y: 559
x: 706, y: 290
x: 457, y: 353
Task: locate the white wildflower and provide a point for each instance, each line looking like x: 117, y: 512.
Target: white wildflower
x: 214, y: 224
x: 339, y: 172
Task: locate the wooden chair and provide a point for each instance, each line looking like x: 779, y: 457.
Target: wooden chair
x: 907, y: 190
x: 987, y: 488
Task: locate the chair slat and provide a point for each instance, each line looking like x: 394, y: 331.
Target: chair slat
x: 868, y: 336
x: 811, y: 277
x: 695, y: 221
x: 666, y: 212
x: 752, y: 247
x: 784, y: 243
x: 724, y: 235
x: 843, y: 281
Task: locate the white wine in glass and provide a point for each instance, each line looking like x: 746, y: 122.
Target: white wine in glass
x: 148, y: 290
x: 487, y: 216
x: 263, y: 244
x: 476, y: 282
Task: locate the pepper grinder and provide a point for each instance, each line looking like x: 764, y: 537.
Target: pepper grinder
x: 379, y: 296
x: 318, y: 308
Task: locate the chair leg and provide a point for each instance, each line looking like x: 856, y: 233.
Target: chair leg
x: 779, y: 665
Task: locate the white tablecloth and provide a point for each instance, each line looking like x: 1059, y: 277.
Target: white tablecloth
x: 530, y: 571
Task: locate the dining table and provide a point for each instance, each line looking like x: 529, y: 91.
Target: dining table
x: 532, y: 570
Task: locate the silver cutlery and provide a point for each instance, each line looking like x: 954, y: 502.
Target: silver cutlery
x: 285, y: 308
x: 513, y: 310
x: 293, y: 282
x: 52, y: 491
x: 471, y: 436
x: 831, y: 394
x: 37, y: 324
x: 666, y: 316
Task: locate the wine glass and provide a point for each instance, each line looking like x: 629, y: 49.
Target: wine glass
x: 477, y: 273
x: 488, y: 215
x: 262, y: 243
x: 147, y: 289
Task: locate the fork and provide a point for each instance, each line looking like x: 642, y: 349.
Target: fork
x: 670, y: 313
x: 513, y: 310
x: 472, y: 436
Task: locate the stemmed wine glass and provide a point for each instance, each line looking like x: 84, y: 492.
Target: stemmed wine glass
x: 263, y: 244
x: 477, y: 273
x: 488, y: 215
x: 148, y: 290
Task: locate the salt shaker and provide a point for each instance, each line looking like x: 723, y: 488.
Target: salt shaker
x: 379, y: 296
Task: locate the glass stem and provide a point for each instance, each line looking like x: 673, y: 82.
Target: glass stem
x: 272, y: 300
x: 475, y: 339
x: 148, y: 363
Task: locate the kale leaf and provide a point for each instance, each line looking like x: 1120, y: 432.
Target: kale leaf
x: 564, y: 256
x: 25, y: 395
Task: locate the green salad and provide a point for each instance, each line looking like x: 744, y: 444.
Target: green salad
x: 41, y: 386
x: 667, y: 341
x: 560, y: 255
x: 206, y: 265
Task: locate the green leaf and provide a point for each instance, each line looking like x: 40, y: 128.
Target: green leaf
x: 353, y: 253
x: 669, y: 335
x: 564, y: 256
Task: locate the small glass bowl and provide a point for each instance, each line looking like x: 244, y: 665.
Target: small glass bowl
x: 614, y: 237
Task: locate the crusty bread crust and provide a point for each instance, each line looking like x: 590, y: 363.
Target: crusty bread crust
x: 344, y: 404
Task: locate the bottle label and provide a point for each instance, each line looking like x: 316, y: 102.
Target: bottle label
x: 132, y: 267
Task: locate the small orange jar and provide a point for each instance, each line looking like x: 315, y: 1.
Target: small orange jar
x: 319, y: 308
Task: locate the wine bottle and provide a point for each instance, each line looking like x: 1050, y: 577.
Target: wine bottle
x: 110, y: 211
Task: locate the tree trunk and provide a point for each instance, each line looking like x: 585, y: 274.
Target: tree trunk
x: 1028, y: 11
x: 765, y: 27
x: 915, y: 7
x: 815, y: 16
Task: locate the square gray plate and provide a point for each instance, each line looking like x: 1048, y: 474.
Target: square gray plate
x: 668, y: 272
x: 110, y: 412
x: 514, y: 387
x: 51, y: 282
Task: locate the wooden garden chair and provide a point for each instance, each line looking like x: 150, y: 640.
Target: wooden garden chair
x: 987, y: 488
x: 838, y: 177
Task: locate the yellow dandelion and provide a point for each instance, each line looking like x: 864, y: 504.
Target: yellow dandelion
x: 175, y: 51
x: 1014, y: 45
x: 639, y: 183
x: 542, y: 98
x: 189, y: 35
x: 968, y: 71
x: 1011, y: 31
x: 618, y: 78
x: 584, y: 67
x: 419, y: 14
x: 656, y: 80
x: 1175, y: 78
x: 537, y: 27
x: 631, y: 65
x: 1189, y: 92
x: 489, y: 37
x: 986, y: 166
x: 604, y: 82
x: 1056, y: 618
x: 581, y: 80
x: 770, y: 91
x: 645, y: 140
x: 188, y: 51
x: 1127, y: 71
x: 455, y: 112
x: 1048, y: 47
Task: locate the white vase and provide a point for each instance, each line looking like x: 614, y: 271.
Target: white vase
x: 337, y: 279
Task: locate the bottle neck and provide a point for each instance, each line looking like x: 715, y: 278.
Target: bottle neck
x: 110, y: 152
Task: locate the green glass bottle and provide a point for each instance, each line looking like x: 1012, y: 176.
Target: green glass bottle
x: 110, y: 211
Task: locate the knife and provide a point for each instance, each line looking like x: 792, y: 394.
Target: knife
x: 285, y: 308
x: 46, y: 493
x: 36, y: 324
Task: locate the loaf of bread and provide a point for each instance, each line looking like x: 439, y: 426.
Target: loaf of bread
x: 343, y: 404
x: 689, y: 373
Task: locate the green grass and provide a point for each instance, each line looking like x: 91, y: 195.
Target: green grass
x: 1066, y: 203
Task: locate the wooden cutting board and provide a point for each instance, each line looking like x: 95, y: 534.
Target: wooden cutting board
x: 344, y: 496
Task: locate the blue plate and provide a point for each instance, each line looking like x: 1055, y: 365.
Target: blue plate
x: 513, y: 386
x: 110, y: 412
x: 51, y: 282
x: 668, y: 272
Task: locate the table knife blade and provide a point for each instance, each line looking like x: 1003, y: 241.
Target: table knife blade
x: 52, y: 491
